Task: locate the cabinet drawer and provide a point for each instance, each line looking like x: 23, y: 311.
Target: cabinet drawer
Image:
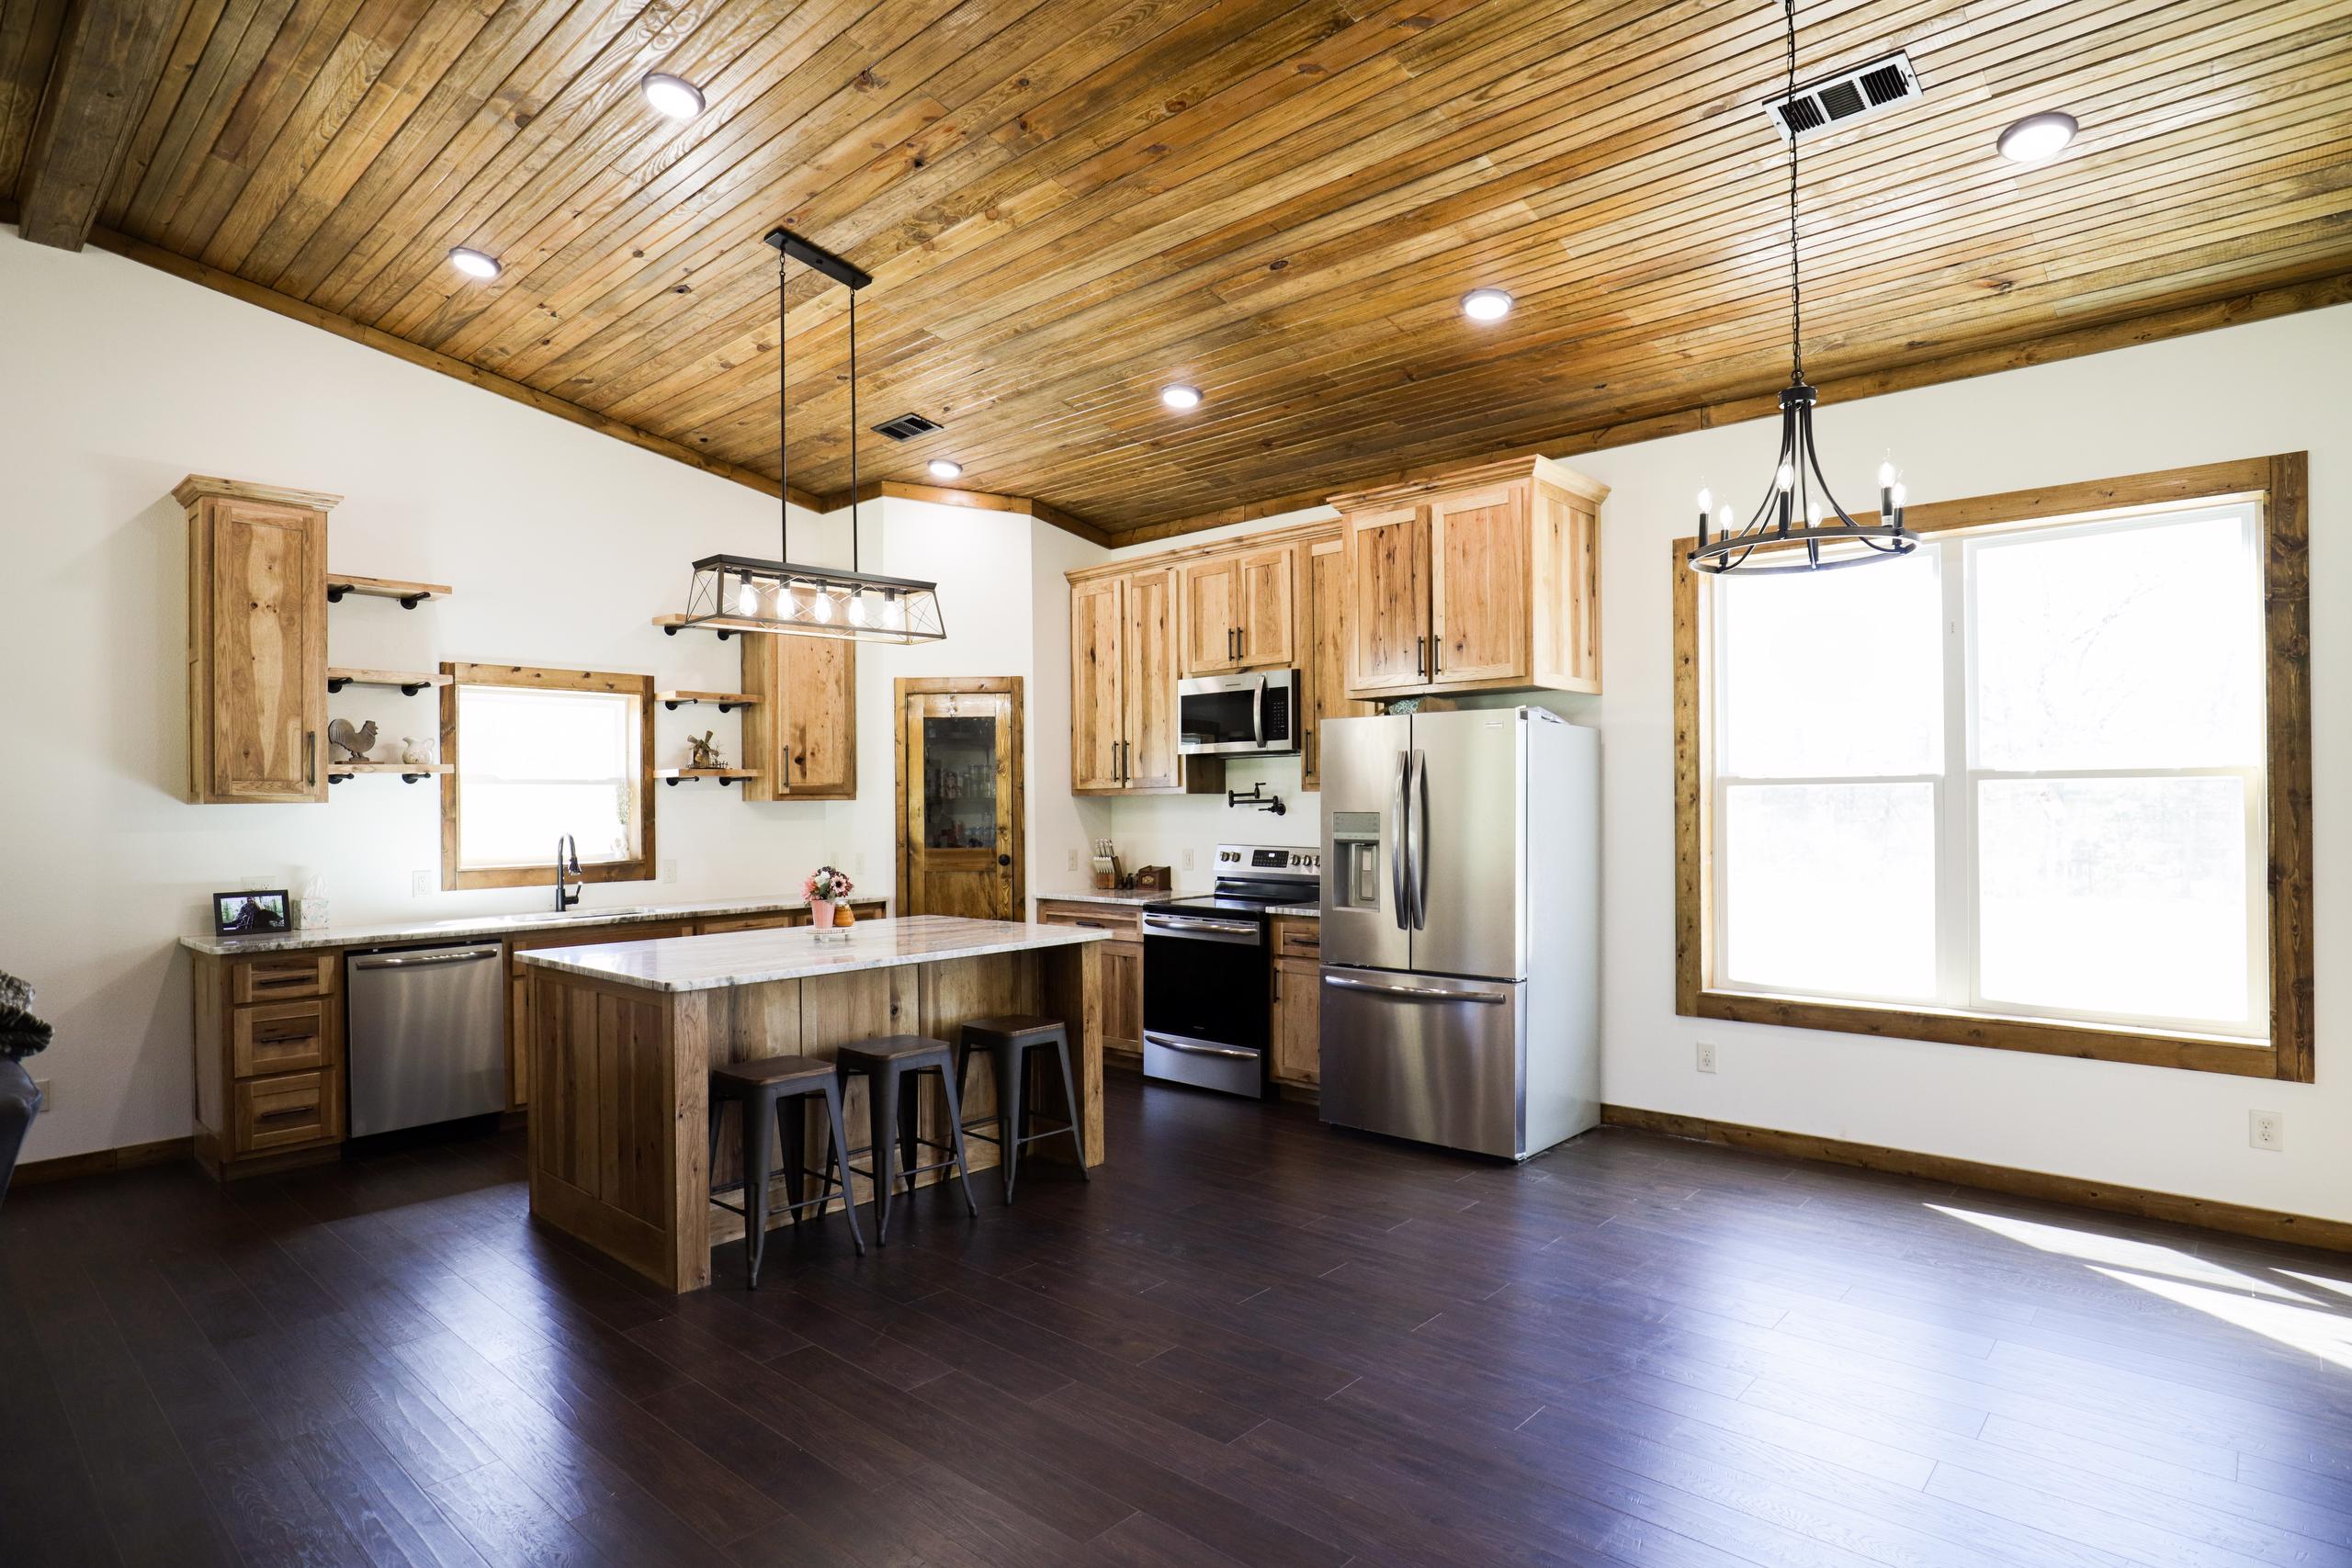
x: 282, y: 1037
x: 752, y: 922
x: 1125, y: 920
x: 1297, y: 937
x: 282, y: 975
x: 289, y: 1109
x: 589, y: 936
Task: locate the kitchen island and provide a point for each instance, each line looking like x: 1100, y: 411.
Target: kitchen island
x: 624, y: 1036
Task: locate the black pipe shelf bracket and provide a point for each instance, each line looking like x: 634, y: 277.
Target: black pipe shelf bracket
x: 1257, y: 799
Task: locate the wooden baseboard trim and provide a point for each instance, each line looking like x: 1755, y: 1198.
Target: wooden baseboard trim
x: 2237, y: 1218
x: 97, y: 1162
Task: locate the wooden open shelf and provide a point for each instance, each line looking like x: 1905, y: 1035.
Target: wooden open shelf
x: 725, y: 626
x: 725, y: 701
x: 675, y: 776
x: 410, y: 594
x: 410, y: 772
x: 409, y: 682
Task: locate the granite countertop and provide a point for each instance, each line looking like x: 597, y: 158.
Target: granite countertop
x: 1111, y: 895
x: 753, y: 958
x: 488, y: 925
x: 1298, y: 912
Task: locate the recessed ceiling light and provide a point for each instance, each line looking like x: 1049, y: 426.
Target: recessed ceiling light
x: 1485, y: 304
x: 1181, y: 396
x: 672, y: 95
x: 942, y: 468
x: 2038, y: 137
x: 473, y: 262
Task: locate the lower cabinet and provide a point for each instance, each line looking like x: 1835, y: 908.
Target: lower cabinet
x: 1122, y: 965
x: 268, y: 1059
x: 1298, y: 1022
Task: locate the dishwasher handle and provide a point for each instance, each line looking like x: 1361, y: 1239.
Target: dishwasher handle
x: 423, y: 960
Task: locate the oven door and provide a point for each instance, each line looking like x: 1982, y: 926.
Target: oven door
x: 1206, y: 1002
x: 1237, y: 715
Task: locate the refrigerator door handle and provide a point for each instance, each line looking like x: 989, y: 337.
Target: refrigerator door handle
x: 1417, y: 993
x: 1397, y: 841
x: 1421, y: 842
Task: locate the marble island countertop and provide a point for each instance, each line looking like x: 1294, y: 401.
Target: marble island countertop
x: 515, y: 924
x: 753, y: 958
x: 1130, y: 896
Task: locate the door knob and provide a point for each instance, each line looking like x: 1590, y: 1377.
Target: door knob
x: 1004, y: 860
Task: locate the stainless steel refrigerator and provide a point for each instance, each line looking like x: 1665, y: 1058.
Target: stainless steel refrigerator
x: 1460, y: 928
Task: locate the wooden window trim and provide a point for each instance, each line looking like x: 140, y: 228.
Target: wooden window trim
x: 639, y: 869
x: 2279, y: 487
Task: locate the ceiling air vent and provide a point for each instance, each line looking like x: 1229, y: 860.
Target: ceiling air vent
x: 907, y: 426
x: 1854, y: 93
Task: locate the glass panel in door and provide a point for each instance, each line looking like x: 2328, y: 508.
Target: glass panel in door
x: 960, y: 834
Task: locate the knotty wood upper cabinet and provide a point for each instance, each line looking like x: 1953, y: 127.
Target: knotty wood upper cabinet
x: 256, y: 641
x: 1486, y: 580
x: 1323, y: 661
x: 1239, y: 611
x: 1122, y: 656
x: 801, y: 735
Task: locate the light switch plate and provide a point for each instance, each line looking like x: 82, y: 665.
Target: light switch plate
x: 1188, y: 860
x: 420, y: 883
x: 669, y: 870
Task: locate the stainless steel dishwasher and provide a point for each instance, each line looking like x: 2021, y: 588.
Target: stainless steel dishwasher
x: 428, y: 1035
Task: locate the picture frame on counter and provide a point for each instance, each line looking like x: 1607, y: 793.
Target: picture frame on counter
x: 253, y: 912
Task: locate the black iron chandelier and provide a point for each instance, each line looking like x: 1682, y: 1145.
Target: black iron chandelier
x: 733, y: 593
x: 1798, y: 506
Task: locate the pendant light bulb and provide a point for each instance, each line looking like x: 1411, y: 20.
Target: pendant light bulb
x: 747, y: 598
x: 857, y: 608
x: 1886, y: 472
x: 1898, y: 491
x: 822, y: 607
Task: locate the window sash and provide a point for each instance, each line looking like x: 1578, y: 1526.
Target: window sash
x: 614, y: 822
x: 1959, y: 865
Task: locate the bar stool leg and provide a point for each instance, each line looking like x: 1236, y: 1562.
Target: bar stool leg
x: 911, y: 1126
x: 955, y: 1130
x: 1008, y: 1087
x: 882, y: 1112
x: 756, y: 1191
x: 792, y: 1127
x: 840, y: 1162
x: 1069, y: 1097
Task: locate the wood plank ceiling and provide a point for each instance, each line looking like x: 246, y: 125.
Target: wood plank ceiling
x: 1068, y: 203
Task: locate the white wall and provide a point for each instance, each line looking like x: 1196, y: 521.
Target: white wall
x: 561, y: 545
x: 2247, y: 391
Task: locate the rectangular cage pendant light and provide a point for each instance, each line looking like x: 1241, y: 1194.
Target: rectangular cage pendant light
x: 745, y: 593
x: 748, y: 593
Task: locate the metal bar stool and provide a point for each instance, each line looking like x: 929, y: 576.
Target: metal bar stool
x: 894, y: 1066
x: 773, y: 1087
x: 1010, y: 1040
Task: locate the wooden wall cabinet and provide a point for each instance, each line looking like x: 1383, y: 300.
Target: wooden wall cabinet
x: 256, y: 641
x: 1239, y: 611
x: 1123, y: 659
x: 800, y: 737
x: 1485, y: 580
x: 1323, y: 652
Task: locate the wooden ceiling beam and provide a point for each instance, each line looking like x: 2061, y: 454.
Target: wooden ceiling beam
x: 109, y: 56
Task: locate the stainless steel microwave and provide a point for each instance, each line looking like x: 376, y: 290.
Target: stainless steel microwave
x: 1228, y: 714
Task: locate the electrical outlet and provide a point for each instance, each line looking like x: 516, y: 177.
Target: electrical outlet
x: 1706, y: 1056
x: 420, y: 883
x: 2266, y: 1129
x: 1073, y: 860
x: 669, y: 870
x: 1188, y: 860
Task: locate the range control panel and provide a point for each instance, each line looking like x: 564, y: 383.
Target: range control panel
x: 1233, y: 858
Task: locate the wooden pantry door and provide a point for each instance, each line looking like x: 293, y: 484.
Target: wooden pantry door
x: 959, y: 794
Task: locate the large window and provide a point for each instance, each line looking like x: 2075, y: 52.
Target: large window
x: 2019, y: 788
x: 538, y: 754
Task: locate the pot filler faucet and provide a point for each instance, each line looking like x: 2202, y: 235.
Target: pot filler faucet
x: 566, y: 858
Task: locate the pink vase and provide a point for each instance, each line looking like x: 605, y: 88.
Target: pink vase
x: 821, y: 913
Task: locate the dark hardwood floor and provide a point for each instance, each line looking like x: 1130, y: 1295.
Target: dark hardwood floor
x: 1250, y: 1341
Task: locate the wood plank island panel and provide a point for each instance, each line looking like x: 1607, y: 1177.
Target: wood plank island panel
x: 620, y: 1065
x: 1069, y: 204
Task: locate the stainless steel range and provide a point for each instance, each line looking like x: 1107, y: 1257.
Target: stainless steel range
x: 1208, y: 970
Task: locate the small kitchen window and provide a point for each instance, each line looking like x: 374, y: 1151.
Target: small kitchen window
x: 2042, y: 784
x: 537, y: 754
